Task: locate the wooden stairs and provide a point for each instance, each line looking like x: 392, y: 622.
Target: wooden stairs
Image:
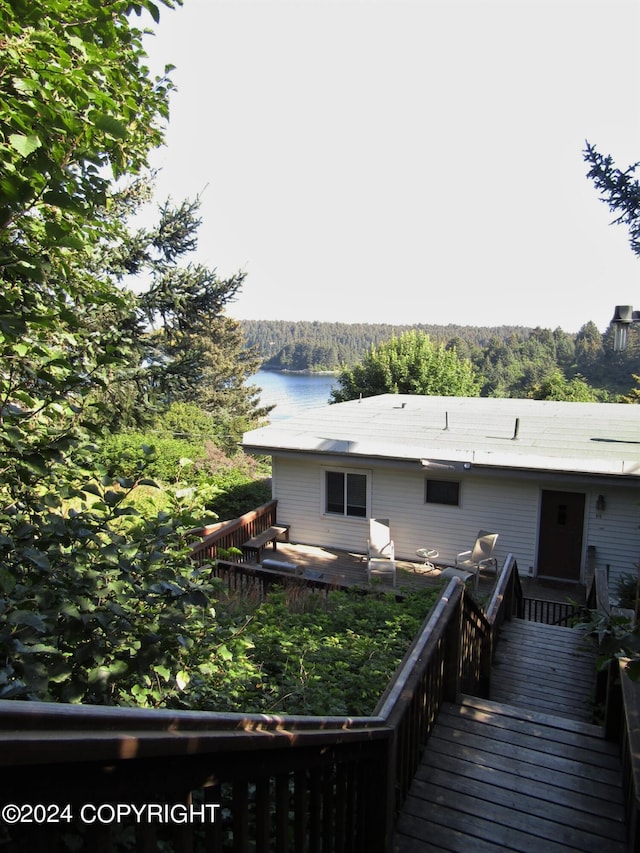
x: 525, y: 770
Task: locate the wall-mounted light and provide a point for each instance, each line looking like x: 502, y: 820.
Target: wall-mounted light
x: 601, y: 504
x: 623, y: 317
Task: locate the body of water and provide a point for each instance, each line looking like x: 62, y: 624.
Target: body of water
x: 291, y: 393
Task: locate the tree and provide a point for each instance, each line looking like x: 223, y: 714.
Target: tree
x: 556, y: 386
x: 620, y: 190
x: 93, y: 596
x: 77, y: 111
x: 409, y: 364
x: 190, y: 350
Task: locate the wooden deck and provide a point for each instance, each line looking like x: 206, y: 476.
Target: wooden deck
x: 545, y: 668
x: 350, y: 568
x: 525, y: 773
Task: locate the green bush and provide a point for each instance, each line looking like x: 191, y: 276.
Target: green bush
x: 163, y: 458
x: 626, y: 591
x: 327, y: 657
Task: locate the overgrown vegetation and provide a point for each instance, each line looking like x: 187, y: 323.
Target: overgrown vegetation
x: 121, y: 407
x: 304, y: 654
x: 98, y: 597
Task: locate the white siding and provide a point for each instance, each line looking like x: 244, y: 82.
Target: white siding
x: 504, y: 505
x: 615, y: 532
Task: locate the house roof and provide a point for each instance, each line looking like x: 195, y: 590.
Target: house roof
x: 589, y: 438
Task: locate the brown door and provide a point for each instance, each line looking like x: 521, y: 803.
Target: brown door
x: 560, y: 535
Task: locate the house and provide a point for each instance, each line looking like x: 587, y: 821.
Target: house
x: 560, y: 482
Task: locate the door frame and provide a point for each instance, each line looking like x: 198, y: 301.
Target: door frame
x: 583, y: 496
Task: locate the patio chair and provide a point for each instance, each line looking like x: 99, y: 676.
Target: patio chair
x: 381, y: 557
x: 479, y: 558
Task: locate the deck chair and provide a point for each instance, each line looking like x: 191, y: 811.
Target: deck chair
x: 381, y: 557
x: 478, y: 559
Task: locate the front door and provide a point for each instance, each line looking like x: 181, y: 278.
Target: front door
x: 560, y: 535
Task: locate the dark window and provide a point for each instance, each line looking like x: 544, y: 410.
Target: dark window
x: 443, y: 492
x: 346, y: 493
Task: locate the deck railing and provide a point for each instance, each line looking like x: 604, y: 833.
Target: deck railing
x: 621, y: 699
x: 289, y: 783
x: 552, y: 612
x: 219, y: 539
x: 253, y: 578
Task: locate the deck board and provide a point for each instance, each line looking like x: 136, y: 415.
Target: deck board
x: 528, y: 775
x: 544, y: 667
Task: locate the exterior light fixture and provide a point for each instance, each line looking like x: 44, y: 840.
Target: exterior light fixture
x: 600, y: 503
x: 623, y: 317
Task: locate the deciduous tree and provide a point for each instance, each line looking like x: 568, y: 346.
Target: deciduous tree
x: 92, y: 597
x: 409, y: 364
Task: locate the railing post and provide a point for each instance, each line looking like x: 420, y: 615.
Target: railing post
x: 452, y: 653
x: 382, y: 798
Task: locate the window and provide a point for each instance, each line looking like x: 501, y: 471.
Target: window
x: 442, y: 492
x: 346, y: 493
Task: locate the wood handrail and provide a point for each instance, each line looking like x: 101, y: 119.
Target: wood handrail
x: 337, y: 777
x: 232, y: 534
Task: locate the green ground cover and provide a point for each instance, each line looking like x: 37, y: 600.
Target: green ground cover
x: 304, y: 654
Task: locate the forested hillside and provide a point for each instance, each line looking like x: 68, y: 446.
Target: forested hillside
x: 511, y: 361
x: 305, y: 345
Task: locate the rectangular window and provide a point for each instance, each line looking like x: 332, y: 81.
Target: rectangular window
x: 442, y: 492
x: 346, y: 493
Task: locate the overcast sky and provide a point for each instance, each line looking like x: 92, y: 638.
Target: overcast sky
x: 403, y: 162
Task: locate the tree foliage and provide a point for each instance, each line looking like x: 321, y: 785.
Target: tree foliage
x: 555, y: 386
x: 620, y: 191
x: 98, y: 603
x: 509, y: 361
x: 190, y: 351
x: 409, y: 364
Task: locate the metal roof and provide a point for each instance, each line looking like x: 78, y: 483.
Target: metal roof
x: 590, y: 438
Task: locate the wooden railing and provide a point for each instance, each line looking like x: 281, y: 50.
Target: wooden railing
x: 232, y: 534
x: 253, y: 578
x: 289, y: 783
x: 552, y: 612
x: 629, y: 740
x: 621, y: 699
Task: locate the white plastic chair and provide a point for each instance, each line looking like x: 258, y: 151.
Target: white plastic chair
x: 478, y: 559
x: 381, y: 556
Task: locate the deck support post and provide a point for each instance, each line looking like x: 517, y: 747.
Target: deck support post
x: 452, y: 674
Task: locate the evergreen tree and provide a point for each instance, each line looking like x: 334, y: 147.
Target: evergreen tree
x: 190, y: 350
x: 620, y: 190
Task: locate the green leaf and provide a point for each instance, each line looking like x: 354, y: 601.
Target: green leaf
x: 162, y: 671
x: 92, y: 489
x: 110, y: 125
x: 27, y: 617
x: 38, y: 558
x: 7, y: 581
x: 24, y: 145
x: 224, y: 653
x: 108, y: 672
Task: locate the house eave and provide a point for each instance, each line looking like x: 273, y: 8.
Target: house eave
x: 468, y: 463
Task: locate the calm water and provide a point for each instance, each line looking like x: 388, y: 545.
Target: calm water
x: 292, y: 392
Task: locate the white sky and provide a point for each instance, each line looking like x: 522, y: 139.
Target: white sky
x: 403, y: 162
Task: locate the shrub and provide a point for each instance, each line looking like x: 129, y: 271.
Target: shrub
x: 317, y: 657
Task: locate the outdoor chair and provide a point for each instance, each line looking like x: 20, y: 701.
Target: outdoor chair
x: 479, y: 558
x: 381, y: 557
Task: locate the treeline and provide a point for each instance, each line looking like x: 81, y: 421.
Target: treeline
x: 511, y: 361
x: 312, y: 345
